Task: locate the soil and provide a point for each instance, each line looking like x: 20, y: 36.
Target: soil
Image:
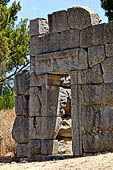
x: 99, y: 162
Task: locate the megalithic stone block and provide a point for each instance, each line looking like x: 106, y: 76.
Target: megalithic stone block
x: 38, y: 26
x: 20, y: 131
x: 21, y: 105
x: 82, y: 17
x: 58, y: 21
x: 22, y: 83
x: 44, y: 127
x: 22, y: 151
x: 49, y: 147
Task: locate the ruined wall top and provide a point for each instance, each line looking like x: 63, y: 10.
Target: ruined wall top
x: 77, y: 17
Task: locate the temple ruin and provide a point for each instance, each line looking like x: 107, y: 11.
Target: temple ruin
x: 71, y: 42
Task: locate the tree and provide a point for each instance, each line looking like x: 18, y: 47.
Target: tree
x: 108, y: 6
x: 14, y: 41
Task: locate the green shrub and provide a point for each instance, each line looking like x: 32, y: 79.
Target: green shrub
x: 7, y: 97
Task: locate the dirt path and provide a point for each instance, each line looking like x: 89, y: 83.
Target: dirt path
x: 100, y: 162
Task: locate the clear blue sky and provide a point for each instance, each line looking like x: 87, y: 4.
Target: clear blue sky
x: 40, y: 8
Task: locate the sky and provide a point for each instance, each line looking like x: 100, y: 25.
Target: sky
x: 32, y: 9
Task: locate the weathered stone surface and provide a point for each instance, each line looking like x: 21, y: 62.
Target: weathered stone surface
x: 35, y: 127
x: 93, y: 75
x: 38, y: 26
x: 107, y: 66
x: 58, y: 21
x: 34, y: 147
x: 37, y: 45
x: 50, y: 101
x: 50, y: 127
x: 98, y: 142
x: 86, y: 37
x: 97, y: 94
x: 109, y: 32
x: 21, y: 130
x: 46, y: 79
x: 49, y: 147
x: 44, y: 127
x: 21, y: 105
x: 66, y: 129
x: 76, y: 111
x: 96, y: 55
x: 52, y: 42
x: 82, y: 17
x: 35, y: 101
x: 32, y: 65
x: 22, y: 83
x: 99, y: 34
x: 106, y: 118
x: 95, y: 35
x: 63, y: 61
x: 109, y: 50
x: 21, y: 151
x: 90, y: 118
x: 69, y: 39
x: 97, y: 119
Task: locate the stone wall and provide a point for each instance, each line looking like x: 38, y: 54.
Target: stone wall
x: 72, y: 42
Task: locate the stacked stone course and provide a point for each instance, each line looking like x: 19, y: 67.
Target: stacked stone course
x: 74, y: 43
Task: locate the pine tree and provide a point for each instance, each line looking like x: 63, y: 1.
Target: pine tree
x: 14, y: 40
x: 107, y: 5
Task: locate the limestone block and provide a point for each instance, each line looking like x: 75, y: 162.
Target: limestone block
x: 82, y: 17
x: 35, y: 127
x: 38, y: 26
x: 96, y: 55
x: 107, y: 66
x: 96, y: 75
x: 98, y: 142
x: 97, y: 94
x: 44, y: 127
x: 99, y: 34
x: 89, y: 76
x: 32, y: 65
x: 49, y: 147
x: 35, y: 101
x: 20, y: 131
x: 69, y: 39
x: 50, y: 127
x: 22, y: 83
x: 106, y: 117
x: 86, y: 37
x: 109, y: 32
x: 21, y: 105
x: 109, y: 50
x: 37, y: 45
x: 52, y: 42
x: 76, y: 112
x: 34, y: 147
x: 46, y: 79
x: 21, y: 150
x: 63, y: 61
x: 95, y: 35
x: 50, y: 96
x: 90, y: 118
x: 58, y: 21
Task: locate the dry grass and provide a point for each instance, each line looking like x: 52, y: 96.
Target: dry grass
x: 7, y: 144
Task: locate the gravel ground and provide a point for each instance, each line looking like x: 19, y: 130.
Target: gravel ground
x: 100, y: 162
